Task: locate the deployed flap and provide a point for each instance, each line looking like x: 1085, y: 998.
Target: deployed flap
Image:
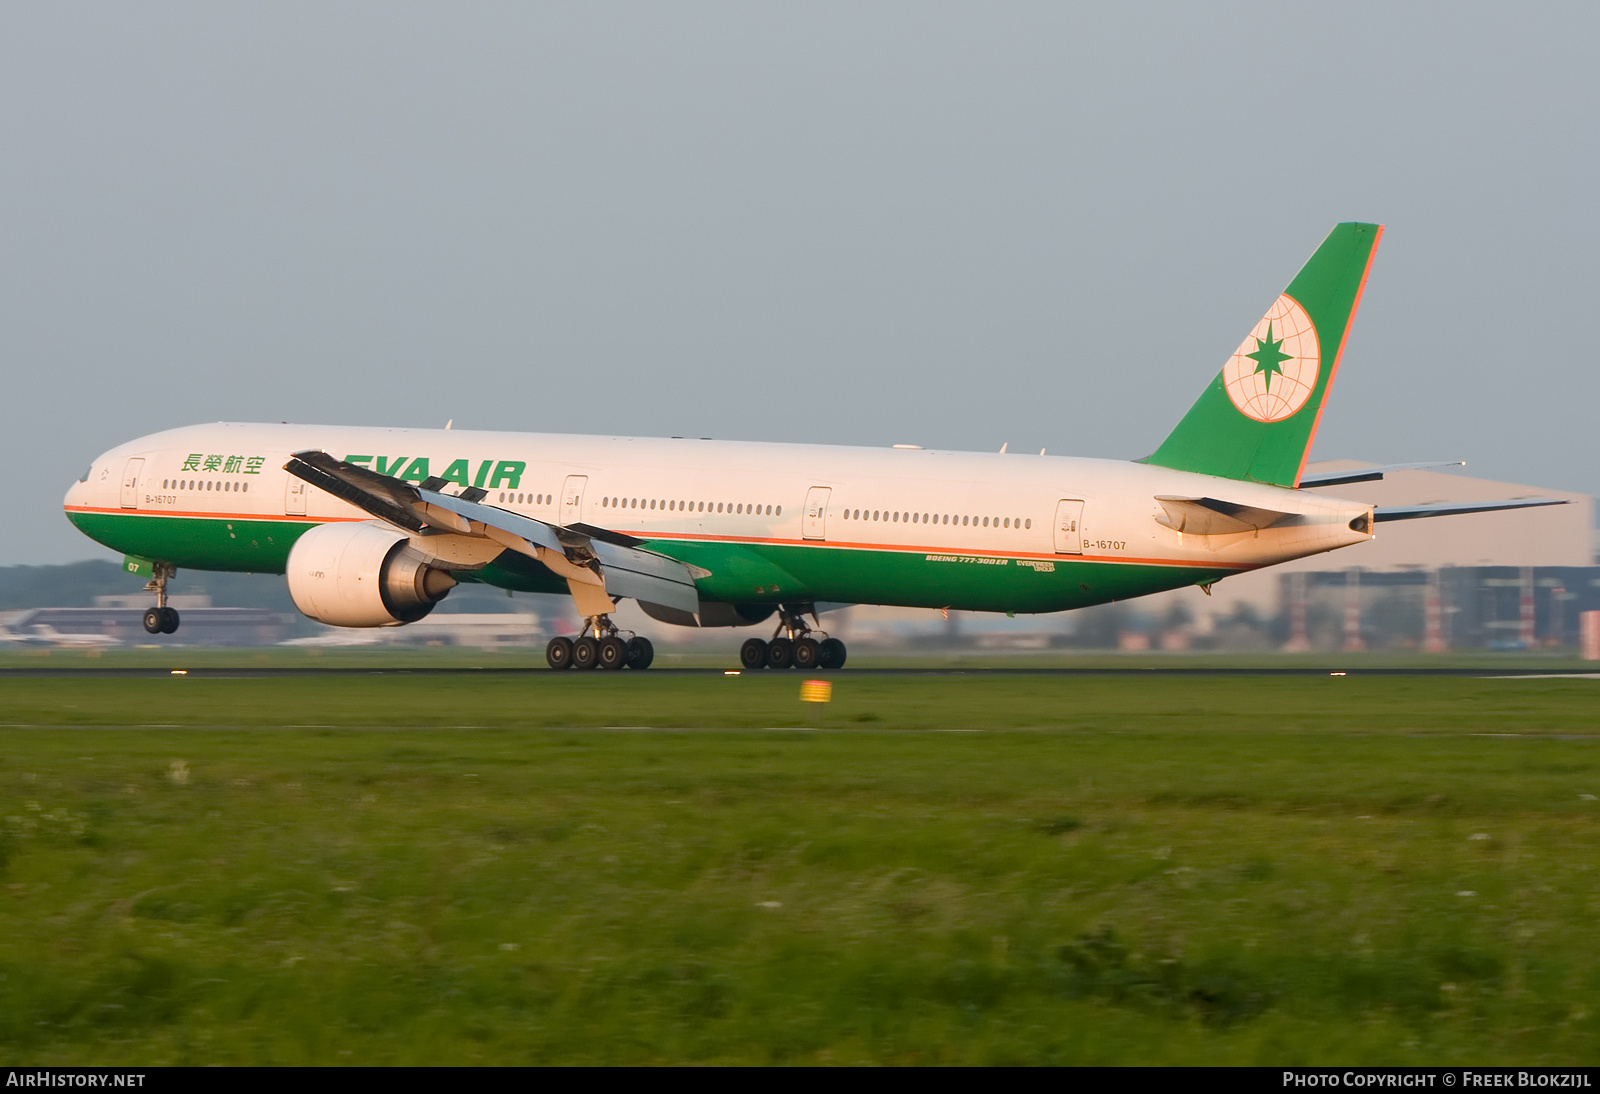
x: 577, y: 553
x: 1212, y: 517
x: 1454, y: 508
x: 1369, y: 474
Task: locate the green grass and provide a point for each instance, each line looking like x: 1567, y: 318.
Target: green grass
x: 711, y: 653
x: 400, y: 869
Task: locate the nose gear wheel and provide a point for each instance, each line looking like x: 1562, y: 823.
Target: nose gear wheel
x: 161, y: 619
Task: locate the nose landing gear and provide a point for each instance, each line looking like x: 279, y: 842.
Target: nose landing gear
x: 793, y: 645
x: 600, y: 647
x: 161, y: 619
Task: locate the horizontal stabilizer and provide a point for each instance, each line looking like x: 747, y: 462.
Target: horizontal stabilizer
x: 1455, y: 508
x: 1213, y: 517
x: 591, y: 555
x: 1369, y: 474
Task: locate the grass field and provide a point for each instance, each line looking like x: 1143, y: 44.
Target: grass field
x: 942, y: 869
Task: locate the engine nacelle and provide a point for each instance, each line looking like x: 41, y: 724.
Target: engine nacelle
x: 363, y: 575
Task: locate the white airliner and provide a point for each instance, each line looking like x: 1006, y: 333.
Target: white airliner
x: 374, y: 526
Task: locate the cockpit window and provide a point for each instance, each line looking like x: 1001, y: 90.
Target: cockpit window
x: 86, y: 472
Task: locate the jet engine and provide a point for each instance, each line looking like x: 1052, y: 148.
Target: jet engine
x: 363, y: 575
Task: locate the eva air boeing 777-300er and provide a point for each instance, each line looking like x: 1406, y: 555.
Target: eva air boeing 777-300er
x: 373, y: 527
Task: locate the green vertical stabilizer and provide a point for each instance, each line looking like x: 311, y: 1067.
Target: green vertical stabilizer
x: 1257, y: 418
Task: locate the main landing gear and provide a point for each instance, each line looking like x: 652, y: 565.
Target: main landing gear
x: 600, y: 647
x: 161, y: 619
x: 793, y: 645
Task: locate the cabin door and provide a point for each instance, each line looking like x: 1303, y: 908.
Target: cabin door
x: 816, y: 514
x: 130, y: 484
x: 572, y: 498
x: 1069, y: 527
x: 294, y: 497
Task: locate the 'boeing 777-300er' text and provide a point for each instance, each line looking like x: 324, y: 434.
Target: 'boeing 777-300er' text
x: 373, y: 527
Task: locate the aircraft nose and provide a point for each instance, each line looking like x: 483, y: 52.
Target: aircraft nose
x: 78, y: 493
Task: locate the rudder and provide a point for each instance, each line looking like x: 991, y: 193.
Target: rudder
x: 1259, y: 415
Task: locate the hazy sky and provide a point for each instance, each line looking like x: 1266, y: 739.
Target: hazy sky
x: 948, y: 225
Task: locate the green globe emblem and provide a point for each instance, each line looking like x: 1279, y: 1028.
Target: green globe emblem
x: 1268, y: 357
x: 1274, y: 371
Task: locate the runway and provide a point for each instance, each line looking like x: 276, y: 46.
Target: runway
x: 177, y: 668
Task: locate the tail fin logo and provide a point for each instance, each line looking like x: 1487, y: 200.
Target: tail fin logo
x: 1274, y: 371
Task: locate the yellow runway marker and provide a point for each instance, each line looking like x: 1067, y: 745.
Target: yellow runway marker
x: 816, y: 691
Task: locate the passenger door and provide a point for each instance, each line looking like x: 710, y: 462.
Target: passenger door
x: 1069, y: 527
x: 572, y: 498
x: 130, y: 483
x: 294, y: 497
x: 815, y: 523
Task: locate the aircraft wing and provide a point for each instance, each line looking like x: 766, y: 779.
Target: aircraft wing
x: 582, y: 553
x: 1369, y: 474
x: 1453, y: 508
x: 1211, y: 516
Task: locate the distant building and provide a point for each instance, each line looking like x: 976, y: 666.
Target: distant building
x: 202, y: 626
x: 1556, y: 536
x: 481, y: 630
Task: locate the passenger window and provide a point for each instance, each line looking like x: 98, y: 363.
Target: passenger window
x: 780, y: 511
x: 245, y: 488
x: 1008, y: 522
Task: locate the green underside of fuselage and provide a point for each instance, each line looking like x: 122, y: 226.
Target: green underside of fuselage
x: 742, y: 573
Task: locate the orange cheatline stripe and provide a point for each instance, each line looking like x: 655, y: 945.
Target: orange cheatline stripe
x: 645, y: 533
x: 208, y: 516
x: 1338, y: 356
x: 916, y: 550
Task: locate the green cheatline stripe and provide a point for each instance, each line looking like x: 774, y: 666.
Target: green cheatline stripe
x: 740, y: 573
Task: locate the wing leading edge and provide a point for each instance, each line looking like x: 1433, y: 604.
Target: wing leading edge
x: 1455, y: 508
x: 595, y: 561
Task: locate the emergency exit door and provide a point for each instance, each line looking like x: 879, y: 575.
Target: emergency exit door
x: 294, y: 497
x: 816, y: 515
x: 1069, y: 527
